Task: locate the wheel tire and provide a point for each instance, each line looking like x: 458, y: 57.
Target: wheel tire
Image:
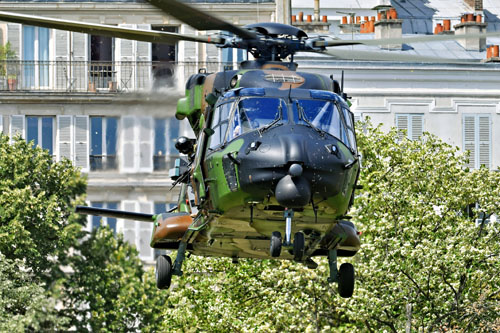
x: 299, y: 243
x: 275, y: 247
x: 163, y: 272
x: 346, y: 280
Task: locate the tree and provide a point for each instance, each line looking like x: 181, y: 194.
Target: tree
x: 425, y: 263
x: 37, y: 198
x: 24, y: 304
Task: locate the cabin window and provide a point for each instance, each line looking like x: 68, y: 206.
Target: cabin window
x: 254, y: 113
x: 220, y: 120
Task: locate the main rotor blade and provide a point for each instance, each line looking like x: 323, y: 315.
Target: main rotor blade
x: 105, y: 30
x: 198, y: 19
x: 401, y: 40
x: 391, y: 56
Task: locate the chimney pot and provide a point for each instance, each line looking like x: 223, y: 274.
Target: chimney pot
x: 446, y: 24
x: 489, y: 52
x: 325, y: 19
x: 379, y: 16
x: 301, y: 16
x: 358, y: 19
x: 344, y: 19
x: 495, y: 52
x: 479, y: 18
x: 294, y: 18
x: 469, y: 18
x: 393, y: 13
x: 309, y: 18
x: 372, y: 19
x: 366, y: 18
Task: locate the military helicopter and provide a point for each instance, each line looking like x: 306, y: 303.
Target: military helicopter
x: 274, y: 166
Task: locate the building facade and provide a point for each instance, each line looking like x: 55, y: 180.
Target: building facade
x: 108, y: 104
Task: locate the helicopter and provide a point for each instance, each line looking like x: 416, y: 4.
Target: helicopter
x: 274, y: 167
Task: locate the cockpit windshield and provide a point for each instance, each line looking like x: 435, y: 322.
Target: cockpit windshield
x: 326, y: 116
x: 257, y: 113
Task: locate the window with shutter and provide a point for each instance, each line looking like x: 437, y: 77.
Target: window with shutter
x: 143, y: 58
x: 82, y: 142
x: 129, y: 227
x: 17, y: 125
x: 79, y: 70
x: 40, y: 130
x: 103, y: 141
x: 14, y: 37
x: 98, y: 221
x: 145, y: 144
x: 62, y: 72
x: 64, y: 137
x: 477, y: 139
x: 145, y: 230
x: 128, y: 160
x: 412, y: 123
x: 126, y: 58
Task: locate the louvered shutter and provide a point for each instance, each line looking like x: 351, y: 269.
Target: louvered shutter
x: 484, y: 129
x: 145, y: 144
x: 14, y: 37
x: 82, y: 142
x: 17, y: 126
x: 143, y: 57
x: 130, y: 226
x: 128, y: 139
x: 61, y: 58
x: 64, y: 135
x: 145, y: 230
x: 402, y: 124
x: 125, y: 54
x: 79, y: 72
x: 417, y: 126
x: 469, y: 135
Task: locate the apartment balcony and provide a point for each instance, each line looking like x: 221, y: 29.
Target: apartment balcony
x: 97, y: 77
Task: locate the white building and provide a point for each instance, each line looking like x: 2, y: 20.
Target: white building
x: 458, y: 103
x: 108, y: 104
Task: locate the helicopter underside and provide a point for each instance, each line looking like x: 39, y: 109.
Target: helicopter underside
x: 245, y: 238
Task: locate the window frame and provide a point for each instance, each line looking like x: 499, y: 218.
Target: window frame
x: 106, y: 163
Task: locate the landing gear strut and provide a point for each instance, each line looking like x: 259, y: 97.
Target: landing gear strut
x: 343, y: 276
x: 298, y: 244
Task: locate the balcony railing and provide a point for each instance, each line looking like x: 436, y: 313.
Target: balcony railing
x: 92, y: 77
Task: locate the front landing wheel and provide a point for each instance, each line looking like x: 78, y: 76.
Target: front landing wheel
x: 163, y: 272
x: 275, y: 247
x: 346, y: 280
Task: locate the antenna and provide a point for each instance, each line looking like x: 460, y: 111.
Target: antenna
x: 342, y: 82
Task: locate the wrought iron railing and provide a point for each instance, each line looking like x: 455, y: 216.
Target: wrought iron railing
x: 93, y: 77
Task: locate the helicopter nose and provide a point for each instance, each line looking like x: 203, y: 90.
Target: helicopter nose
x: 293, y: 190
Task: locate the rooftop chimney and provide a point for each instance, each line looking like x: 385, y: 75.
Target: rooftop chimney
x: 389, y: 26
x: 471, y: 24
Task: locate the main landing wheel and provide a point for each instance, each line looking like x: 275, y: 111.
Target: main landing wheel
x: 346, y: 280
x: 275, y: 247
x: 298, y: 246
x: 163, y: 272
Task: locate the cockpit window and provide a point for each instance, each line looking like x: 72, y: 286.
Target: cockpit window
x: 219, y: 123
x: 325, y: 116
x: 257, y: 113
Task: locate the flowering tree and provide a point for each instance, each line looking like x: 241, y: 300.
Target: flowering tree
x: 430, y: 250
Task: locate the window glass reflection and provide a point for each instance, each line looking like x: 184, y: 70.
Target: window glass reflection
x: 257, y: 112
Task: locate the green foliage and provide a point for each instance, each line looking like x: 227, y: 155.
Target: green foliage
x: 6, y: 53
x: 424, y: 263
x: 105, y: 287
x: 36, y: 205
x: 24, y: 304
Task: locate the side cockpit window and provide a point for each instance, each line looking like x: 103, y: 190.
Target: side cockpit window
x: 219, y: 124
